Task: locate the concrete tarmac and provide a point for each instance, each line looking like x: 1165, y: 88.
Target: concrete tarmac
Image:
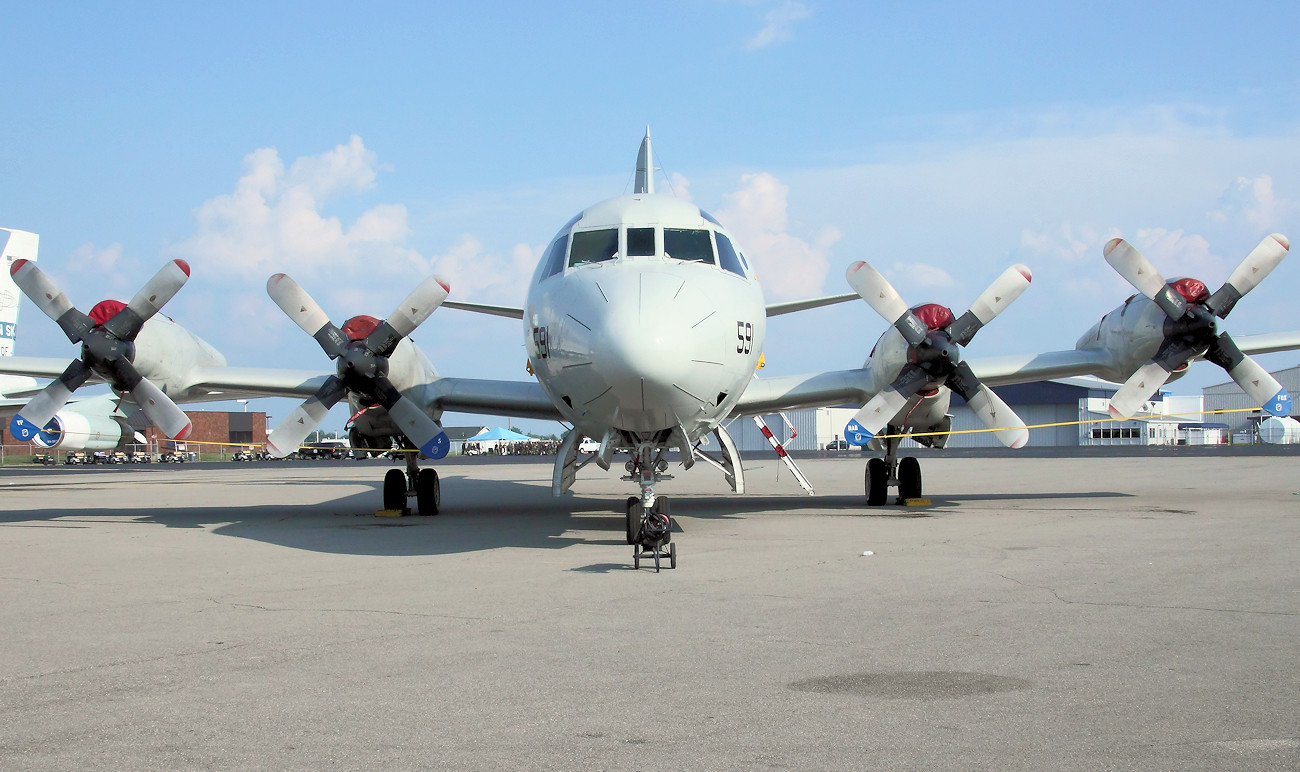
x: 1043, y: 613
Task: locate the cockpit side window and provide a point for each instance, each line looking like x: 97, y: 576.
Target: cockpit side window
x: 594, y: 246
x: 640, y: 242
x: 728, y: 258
x: 690, y: 245
x: 555, y: 256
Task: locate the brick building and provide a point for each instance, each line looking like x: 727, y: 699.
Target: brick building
x: 211, y: 427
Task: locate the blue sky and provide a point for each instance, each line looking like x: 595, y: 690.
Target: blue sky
x: 361, y: 150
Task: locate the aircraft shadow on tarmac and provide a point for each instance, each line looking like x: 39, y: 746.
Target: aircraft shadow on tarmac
x: 519, y: 515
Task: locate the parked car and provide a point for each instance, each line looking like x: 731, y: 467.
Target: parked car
x: 588, y: 445
x: 838, y: 445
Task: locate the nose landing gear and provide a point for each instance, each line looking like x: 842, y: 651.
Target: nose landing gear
x: 649, y: 517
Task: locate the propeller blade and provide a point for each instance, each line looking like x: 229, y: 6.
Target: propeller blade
x: 1138, y: 389
x: 294, y: 301
x: 875, y: 415
x: 418, y: 305
x: 410, y: 313
x: 424, y: 432
x: 997, y: 415
x: 1258, y: 264
x: 160, y: 409
x: 1139, y: 272
x: 36, y: 414
x: 881, y: 295
x: 291, y: 432
x: 164, y: 285
x: 1262, y: 388
x: 47, y: 296
x: 991, y: 302
x: 988, y: 407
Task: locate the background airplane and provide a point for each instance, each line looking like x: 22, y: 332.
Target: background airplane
x: 643, y: 325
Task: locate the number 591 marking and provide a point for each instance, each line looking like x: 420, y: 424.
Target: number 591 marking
x: 744, y: 337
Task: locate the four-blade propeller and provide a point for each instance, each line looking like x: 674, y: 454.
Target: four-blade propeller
x: 1192, y: 330
x: 362, y: 353
x: 934, y: 354
x: 107, y: 338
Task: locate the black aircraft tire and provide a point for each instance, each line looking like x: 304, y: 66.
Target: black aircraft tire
x: 877, y: 480
x: 909, y: 478
x: 634, y: 511
x: 395, y: 489
x: 428, y: 492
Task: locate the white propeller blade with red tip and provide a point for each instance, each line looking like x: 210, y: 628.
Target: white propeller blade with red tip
x: 106, y: 351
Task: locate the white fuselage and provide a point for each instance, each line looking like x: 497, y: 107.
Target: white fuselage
x: 643, y: 318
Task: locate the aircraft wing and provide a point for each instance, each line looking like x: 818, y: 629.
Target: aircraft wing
x: 36, y: 367
x: 481, y: 308
x: 1269, y: 342
x: 223, y: 383
x: 853, y: 387
x: 776, y: 309
x: 520, y: 399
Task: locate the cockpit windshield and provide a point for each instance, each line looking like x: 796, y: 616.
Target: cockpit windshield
x: 594, y: 246
x: 690, y: 245
x: 640, y: 242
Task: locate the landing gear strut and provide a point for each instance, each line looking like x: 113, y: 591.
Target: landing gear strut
x: 421, y: 484
x: 649, y: 517
x: 882, y: 474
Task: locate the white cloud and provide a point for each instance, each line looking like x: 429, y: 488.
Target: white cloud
x: 778, y: 23
x: 273, y: 221
x: 88, y: 258
x: 919, y: 276
x: 1067, y: 243
x: 477, y: 275
x: 1175, y: 254
x: 1251, y: 200
x: 788, y: 266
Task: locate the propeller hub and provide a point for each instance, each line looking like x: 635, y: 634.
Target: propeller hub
x: 359, y: 367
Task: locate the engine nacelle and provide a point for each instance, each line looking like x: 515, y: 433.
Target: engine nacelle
x: 68, y: 430
x: 1131, y: 334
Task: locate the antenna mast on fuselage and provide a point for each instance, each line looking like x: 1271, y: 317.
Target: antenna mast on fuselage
x: 645, y: 169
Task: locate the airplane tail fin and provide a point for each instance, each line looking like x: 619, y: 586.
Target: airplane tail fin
x: 645, y: 167
x: 17, y: 245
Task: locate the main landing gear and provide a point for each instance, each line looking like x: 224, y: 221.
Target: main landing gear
x: 649, y: 517
x: 882, y: 474
x: 421, y: 484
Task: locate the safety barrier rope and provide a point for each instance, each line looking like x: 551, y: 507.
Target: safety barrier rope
x: 1082, y: 422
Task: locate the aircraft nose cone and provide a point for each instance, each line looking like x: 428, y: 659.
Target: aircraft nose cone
x: 650, y: 352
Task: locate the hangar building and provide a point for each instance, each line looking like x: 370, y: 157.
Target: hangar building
x: 1061, y: 413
